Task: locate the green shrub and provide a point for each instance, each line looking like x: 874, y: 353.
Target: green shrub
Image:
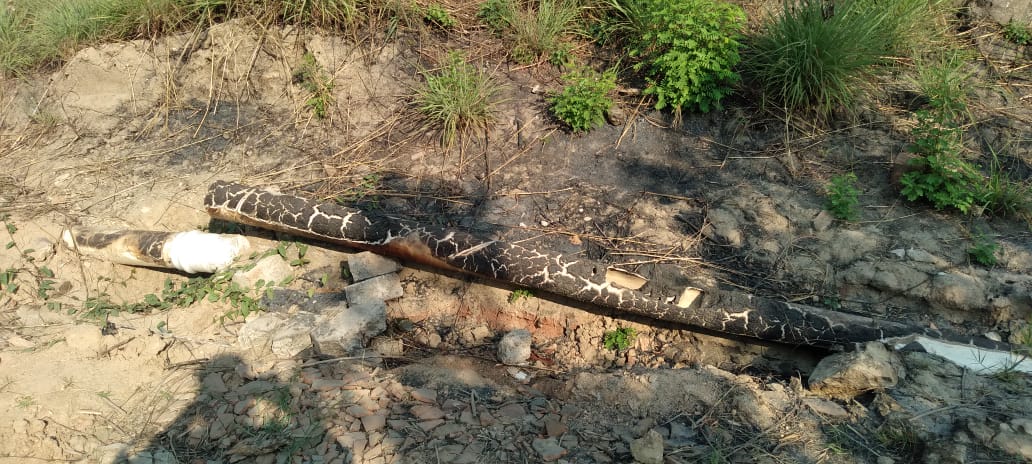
x: 842, y: 199
x: 803, y: 60
x: 1017, y: 33
x: 459, y: 98
x: 687, y: 48
x: 439, y: 17
x: 584, y: 101
x: 619, y: 339
x: 942, y: 177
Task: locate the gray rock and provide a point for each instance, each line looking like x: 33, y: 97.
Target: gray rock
x: 256, y: 333
x: 822, y: 221
x: 294, y: 335
x: 826, y: 408
x: 1005, y: 11
x: 1013, y: 441
x: 213, y: 383
x: 649, y: 448
x: 268, y: 269
x: 388, y: 346
x: 348, y: 329
x: 958, y: 291
x: 548, y: 449
x: 921, y: 256
x: 616, y: 115
x: 514, y: 348
x: 366, y: 265
x: 380, y: 288
x: 846, y: 375
x: 426, y: 412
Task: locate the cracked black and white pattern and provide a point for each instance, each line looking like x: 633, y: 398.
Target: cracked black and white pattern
x: 573, y: 277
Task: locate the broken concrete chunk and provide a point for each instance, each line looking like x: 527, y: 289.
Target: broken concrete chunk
x: 346, y: 330
x: 846, y: 375
x: 257, y: 332
x: 514, y: 347
x: 649, y: 448
x: 293, y: 336
x: 366, y: 265
x: 378, y: 289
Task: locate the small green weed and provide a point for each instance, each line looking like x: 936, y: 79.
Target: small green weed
x: 842, y: 199
x: 520, y: 293
x: 310, y: 76
x: 687, y: 48
x: 943, y: 79
x: 942, y: 177
x: 1000, y: 195
x: 458, y: 98
x: 984, y: 250
x: 1018, y: 33
x: 26, y: 401
x: 496, y: 14
x: 41, y: 276
x: 584, y: 101
x: 619, y: 339
x: 439, y: 17
x: 364, y: 190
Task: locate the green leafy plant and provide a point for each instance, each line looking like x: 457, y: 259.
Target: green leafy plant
x: 688, y: 49
x: 842, y: 199
x: 518, y: 294
x: 940, y: 175
x: 1018, y: 33
x: 458, y: 98
x: 984, y: 250
x: 805, y: 61
x: 619, y: 339
x: 439, y: 17
x: 584, y: 101
x: 310, y: 76
x: 496, y: 14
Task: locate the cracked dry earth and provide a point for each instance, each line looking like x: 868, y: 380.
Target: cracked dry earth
x: 125, y: 136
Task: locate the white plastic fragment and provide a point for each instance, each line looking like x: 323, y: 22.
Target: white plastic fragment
x: 977, y: 359
x: 197, y: 251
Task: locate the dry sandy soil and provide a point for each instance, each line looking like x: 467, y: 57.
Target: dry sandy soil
x: 130, y: 136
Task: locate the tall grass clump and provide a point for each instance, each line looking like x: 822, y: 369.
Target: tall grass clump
x: 812, y: 59
x: 943, y: 78
x: 687, y: 49
x: 458, y: 98
x: 539, y: 30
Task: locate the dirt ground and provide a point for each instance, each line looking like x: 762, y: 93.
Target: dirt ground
x: 130, y: 136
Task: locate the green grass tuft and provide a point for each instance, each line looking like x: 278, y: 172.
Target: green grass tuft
x: 458, y: 98
x: 539, y: 32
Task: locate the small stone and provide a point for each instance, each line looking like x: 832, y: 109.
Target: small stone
x: 213, y: 383
x: 346, y: 330
x: 293, y: 336
x: 388, y: 346
x: 486, y: 419
x: 375, y: 290
x: 822, y: 221
x: 374, y: 422
x: 429, y: 425
x: 649, y: 448
x: 327, y: 384
x: 268, y: 269
x: 826, y: 408
x: 886, y: 460
x: 358, y: 411
x: 555, y: 428
x: 511, y: 412
x: 480, y: 333
x: 366, y: 265
x: 424, y: 395
x: 354, y: 441
x: 19, y: 342
x: 616, y: 115
x: 514, y: 348
x: 548, y: 449
x: 426, y: 412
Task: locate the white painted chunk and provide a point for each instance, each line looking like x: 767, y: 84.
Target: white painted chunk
x: 197, y: 251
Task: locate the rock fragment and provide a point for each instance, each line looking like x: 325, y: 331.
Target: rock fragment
x: 377, y: 289
x: 514, y: 348
x: 548, y: 449
x: 347, y: 329
x: 268, y: 269
x: 846, y: 375
x: 366, y: 265
x: 649, y: 448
